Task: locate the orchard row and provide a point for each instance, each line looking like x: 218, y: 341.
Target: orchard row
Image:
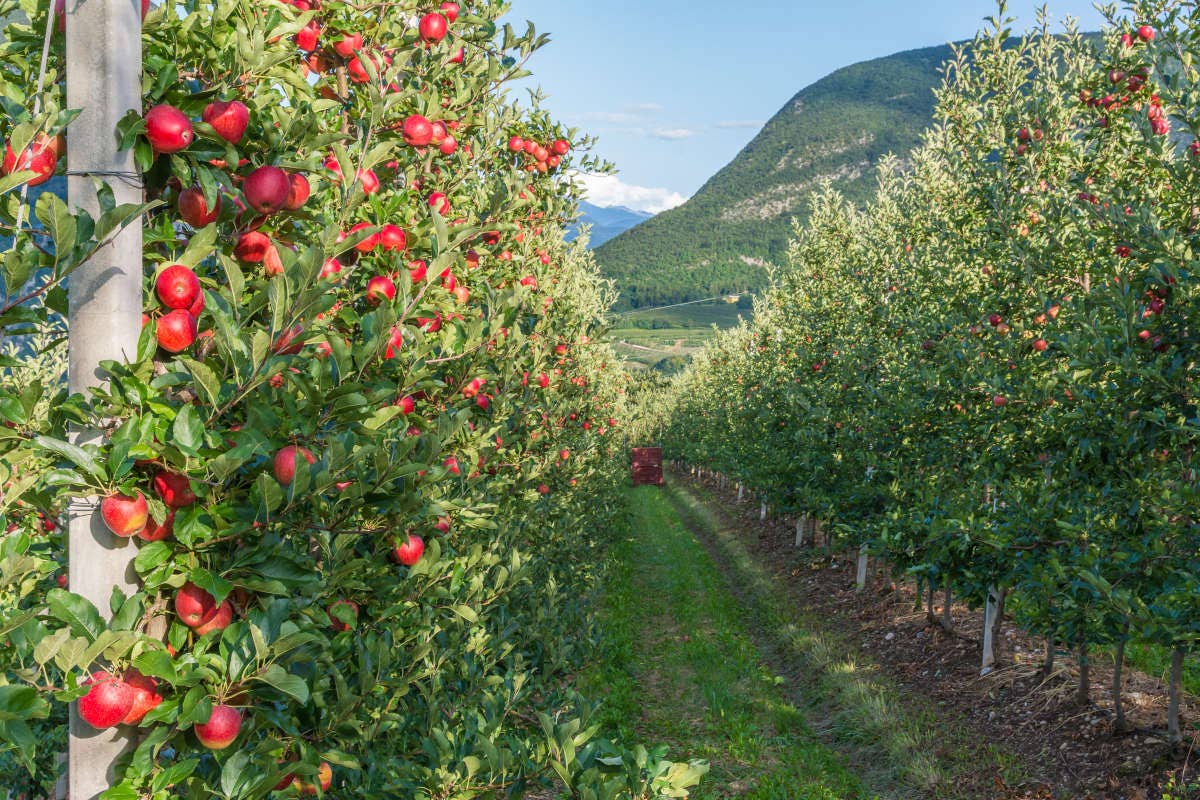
x: 368, y: 439
x: 987, y: 377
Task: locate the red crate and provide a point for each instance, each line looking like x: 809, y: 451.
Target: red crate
x: 646, y: 466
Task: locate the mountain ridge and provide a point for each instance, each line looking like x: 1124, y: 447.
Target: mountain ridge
x: 722, y: 240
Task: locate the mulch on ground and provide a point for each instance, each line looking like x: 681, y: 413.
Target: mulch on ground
x: 1071, y: 750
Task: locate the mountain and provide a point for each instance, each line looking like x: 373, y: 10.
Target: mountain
x: 606, y: 222
x: 721, y: 240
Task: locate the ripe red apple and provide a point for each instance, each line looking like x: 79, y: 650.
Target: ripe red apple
x: 221, y: 729
x: 331, y: 269
x: 168, y: 129
x: 368, y: 180
x: 252, y: 247
x: 380, y: 289
x: 306, y: 37
x: 145, y: 696
x: 125, y: 516
x: 267, y: 189
x: 336, y: 623
x: 324, y: 778
x: 174, y: 490
x: 229, y: 119
x: 108, y: 701
x: 440, y: 202
x: 218, y: 621
x: 395, y: 343
x: 1040, y: 345
x: 368, y: 244
x: 417, y: 270
x: 177, y: 287
x: 298, y: 191
x: 194, y: 210
x: 1146, y: 33
x: 561, y: 147
x: 450, y: 11
x: 409, y: 551
x: 417, y: 131
x: 432, y: 28
x: 392, y: 238
x: 449, y: 146
x: 155, y: 532
x: 348, y: 45
x: 194, y: 605
x: 176, y: 331
x: 407, y: 404
x: 516, y: 144
x: 286, y: 460
x: 39, y: 157
x: 999, y: 401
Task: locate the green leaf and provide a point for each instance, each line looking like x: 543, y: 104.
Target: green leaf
x: 285, y: 682
x: 77, y: 612
x: 152, y: 555
x: 76, y: 455
x: 20, y: 702
x: 199, y: 247
x: 157, y: 664
x: 205, y: 379
x: 188, y: 430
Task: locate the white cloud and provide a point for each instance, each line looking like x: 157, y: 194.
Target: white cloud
x: 749, y: 123
x: 673, y: 134
x: 609, y: 190
x: 643, y: 108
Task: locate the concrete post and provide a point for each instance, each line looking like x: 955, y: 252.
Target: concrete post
x: 104, y: 63
x: 800, y: 532
x: 861, y: 578
x: 741, y: 492
x: 762, y: 511
x: 989, y: 620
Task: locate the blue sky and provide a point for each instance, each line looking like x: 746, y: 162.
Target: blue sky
x: 675, y: 88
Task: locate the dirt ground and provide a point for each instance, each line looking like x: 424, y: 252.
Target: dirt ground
x: 1070, y: 749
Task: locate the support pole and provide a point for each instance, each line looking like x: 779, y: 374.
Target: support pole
x: 989, y: 624
x: 800, y: 532
x: 104, y: 61
x: 741, y: 492
x: 861, y: 577
x: 762, y: 511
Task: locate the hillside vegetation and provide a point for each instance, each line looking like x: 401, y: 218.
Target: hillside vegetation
x: 723, y: 239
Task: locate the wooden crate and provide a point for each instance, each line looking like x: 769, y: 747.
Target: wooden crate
x: 646, y: 466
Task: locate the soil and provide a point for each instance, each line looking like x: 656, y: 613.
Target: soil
x: 1069, y: 749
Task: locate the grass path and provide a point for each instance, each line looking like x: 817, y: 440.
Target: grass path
x: 682, y: 668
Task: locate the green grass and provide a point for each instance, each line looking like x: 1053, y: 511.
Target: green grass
x: 902, y: 745
x: 681, y: 667
x: 1156, y: 661
x: 681, y: 331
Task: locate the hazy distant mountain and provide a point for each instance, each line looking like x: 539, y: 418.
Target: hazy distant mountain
x: 720, y: 241
x: 607, y: 222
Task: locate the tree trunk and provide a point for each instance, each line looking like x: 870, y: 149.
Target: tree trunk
x: 1174, y: 729
x: 861, y: 577
x: 1120, y: 724
x: 1083, y: 692
x: 947, y: 618
x: 929, y: 601
x: 1048, y: 661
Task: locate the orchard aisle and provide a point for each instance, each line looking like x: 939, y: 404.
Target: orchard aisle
x: 682, y: 667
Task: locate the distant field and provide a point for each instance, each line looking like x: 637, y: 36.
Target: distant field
x: 647, y: 337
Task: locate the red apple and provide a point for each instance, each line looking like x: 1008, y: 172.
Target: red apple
x: 450, y: 11
x: 380, y: 289
x: 145, y: 696
x: 516, y: 144
x: 448, y: 146
x: 286, y: 460
x: 348, y: 44
x: 440, y: 202
x: 222, y: 727
x: 194, y: 605
x: 392, y: 238
x: 368, y: 244
x: 432, y: 27
x: 155, y: 532
x: 409, y: 551
x: 417, y: 130
x: 407, y: 404
x: 177, y: 287
x: 1146, y: 33
x: 298, y: 191
x: 417, y: 270
x: 267, y: 189
x: 1040, y: 345
x: 217, y: 621
x: 336, y: 623
x: 252, y: 247
x: 176, y: 331
x: 194, y: 210
x: 125, y: 516
x: 175, y: 490
x: 228, y: 118
x: 324, y: 778
x: 306, y: 37
x: 561, y: 147
x: 168, y: 129
x: 108, y: 701
x: 38, y: 157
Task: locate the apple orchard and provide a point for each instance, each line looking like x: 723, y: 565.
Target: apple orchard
x: 986, y: 377
x: 365, y: 438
